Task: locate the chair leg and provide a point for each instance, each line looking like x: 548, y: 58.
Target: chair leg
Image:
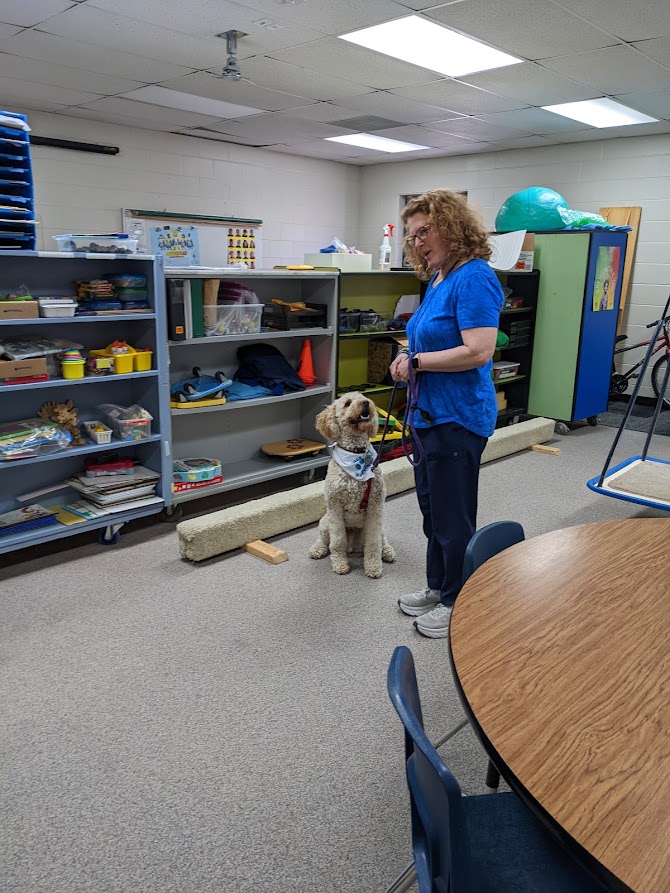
x: 492, y: 777
x: 450, y: 733
x: 404, y: 881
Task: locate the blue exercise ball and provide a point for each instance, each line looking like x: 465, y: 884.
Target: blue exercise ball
x: 535, y: 208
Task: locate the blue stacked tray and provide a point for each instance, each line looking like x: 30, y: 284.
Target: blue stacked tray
x: 17, y: 196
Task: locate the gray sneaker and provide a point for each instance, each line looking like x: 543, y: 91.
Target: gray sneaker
x: 435, y: 624
x: 417, y: 603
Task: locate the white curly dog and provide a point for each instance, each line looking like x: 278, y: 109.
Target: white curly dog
x: 354, y: 491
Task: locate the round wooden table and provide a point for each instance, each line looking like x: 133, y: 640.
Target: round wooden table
x: 561, y: 648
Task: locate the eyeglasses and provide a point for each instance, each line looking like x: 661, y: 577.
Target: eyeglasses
x: 420, y: 234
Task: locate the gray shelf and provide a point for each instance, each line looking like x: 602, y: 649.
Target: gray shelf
x: 223, y: 273
x: 69, y: 320
x: 79, y: 451
x: 253, y: 471
x: 255, y: 401
x: 254, y: 336
x: 68, y: 382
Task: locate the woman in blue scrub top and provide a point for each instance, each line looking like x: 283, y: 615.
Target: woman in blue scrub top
x: 452, y: 338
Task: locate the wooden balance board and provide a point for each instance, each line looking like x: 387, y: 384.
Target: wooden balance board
x: 293, y: 449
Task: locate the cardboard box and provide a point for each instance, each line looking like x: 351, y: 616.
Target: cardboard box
x: 527, y: 254
x: 23, y: 368
x: 346, y: 263
x: 19, y: 309
x: 502, y: 400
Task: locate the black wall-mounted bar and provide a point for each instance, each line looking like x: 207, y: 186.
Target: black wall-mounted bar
x: 75, y: 147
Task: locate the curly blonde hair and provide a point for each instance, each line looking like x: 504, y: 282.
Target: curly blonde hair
x: 456, y: 223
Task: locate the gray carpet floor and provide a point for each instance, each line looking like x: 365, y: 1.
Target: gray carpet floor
x: 173, y: 728
x: 639, y: 419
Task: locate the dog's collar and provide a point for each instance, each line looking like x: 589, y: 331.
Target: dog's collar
x: 358, y: 465
x: 360, y: 451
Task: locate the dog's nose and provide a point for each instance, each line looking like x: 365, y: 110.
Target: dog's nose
x: 365, y: 407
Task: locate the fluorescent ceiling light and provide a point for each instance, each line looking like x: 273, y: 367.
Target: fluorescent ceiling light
x: 424, y: 43
x: 599, y: 113
x: 174, y: 99
x: 380, y: 143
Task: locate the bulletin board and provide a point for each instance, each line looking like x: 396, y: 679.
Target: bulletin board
x: 214, y: 241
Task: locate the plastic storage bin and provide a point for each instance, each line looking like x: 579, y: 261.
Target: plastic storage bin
x: 97, y: 244
x: 98, y: 432
x: 232, y: 319
x: 54, y: 307
x: 128, y: 423
x: 505, y: 370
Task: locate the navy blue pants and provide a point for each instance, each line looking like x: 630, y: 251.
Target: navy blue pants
x: 446, y: 487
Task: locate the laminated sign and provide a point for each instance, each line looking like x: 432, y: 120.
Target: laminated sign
x: 178, y: 245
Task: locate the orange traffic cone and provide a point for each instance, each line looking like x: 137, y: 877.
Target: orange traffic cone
x: 305, y: 368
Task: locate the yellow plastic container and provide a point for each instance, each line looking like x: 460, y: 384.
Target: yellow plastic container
x: 142, y: 360
x: 122, y: 362
x: 73, y: 369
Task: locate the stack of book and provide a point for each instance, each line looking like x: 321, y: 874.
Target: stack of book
x: 31, y: 517
x: 111, y: 493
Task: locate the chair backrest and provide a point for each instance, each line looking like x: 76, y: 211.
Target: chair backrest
x: 439, y: 832
x: 488, y: 541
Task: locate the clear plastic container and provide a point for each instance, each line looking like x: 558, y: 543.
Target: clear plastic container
x: 97, y: 244
x: 505, y: 370
x: 52, y: 307
x: 232, y: 319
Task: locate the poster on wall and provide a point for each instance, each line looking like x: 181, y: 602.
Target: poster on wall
x: 242, y: 245
x: 607, y: 270
x: 177, y: 244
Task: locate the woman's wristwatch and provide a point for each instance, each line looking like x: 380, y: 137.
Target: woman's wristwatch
x: 416, y: 362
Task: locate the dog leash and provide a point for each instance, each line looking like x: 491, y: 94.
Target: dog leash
x: 407, y: 422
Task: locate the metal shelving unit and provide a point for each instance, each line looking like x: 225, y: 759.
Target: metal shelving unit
x: 234, y: 432
x: 54, y: 273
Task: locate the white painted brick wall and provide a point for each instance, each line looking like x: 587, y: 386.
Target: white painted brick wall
x: 626, y: 171
x: 303, y: 202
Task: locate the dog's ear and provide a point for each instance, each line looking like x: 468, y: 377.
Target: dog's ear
x: 326, y: 423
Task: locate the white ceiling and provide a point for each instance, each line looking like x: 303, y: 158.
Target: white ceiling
x: 83, y: 58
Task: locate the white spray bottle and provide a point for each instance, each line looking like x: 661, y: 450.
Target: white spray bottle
x: 385, y: 248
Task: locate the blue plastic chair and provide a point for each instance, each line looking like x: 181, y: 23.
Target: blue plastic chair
x: 486, y: 543
x: 475, y: 844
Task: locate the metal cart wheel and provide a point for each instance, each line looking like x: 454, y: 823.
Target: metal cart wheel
x: 561, y: 428
x: 172, y: 514
x: 593, y: 421
x: 109, y: 536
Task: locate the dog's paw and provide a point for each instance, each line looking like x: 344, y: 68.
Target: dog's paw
x: 388, y: 554
x: 374, y: 571
x: 318, y: 550
x: 341, y: 566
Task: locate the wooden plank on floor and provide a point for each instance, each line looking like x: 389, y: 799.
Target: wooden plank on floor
x: 545, y: 448
x: 266, y: 551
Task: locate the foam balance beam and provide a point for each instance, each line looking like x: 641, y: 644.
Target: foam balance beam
x: 230, y: 528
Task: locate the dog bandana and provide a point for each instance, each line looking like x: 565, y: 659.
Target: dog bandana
x: 356, y: 465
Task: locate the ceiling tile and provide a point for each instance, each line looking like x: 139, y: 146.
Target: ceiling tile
x: 95, y: 114
x: 143, y: 111
x: 337, y: 57
x: 537, y: 121
x: 476, y: 129
x: 407, y: 111
x: 531, y: 29
x: 613, y: 70
x: 606, y: 133
x: 84, y: 22
x: 531, y: 84
x: 656, y: 49
x: 80, y: 55
x: 424, y: 136
x: 527, y: 142
x: 8, y: 30
x: 629, y: 21
x: 277, y: 128
x: 62, y: 76
x: 364, y: 123
x: 18, y: 89
x: 240, y: 92
x: 459, y: 98
x: 30, y: 12
x: 207, y: 134
x: 322, y: 149
x: 35, y: 104
x: 267, y: 72
x: 327, y: 16
x: 656, y: 104
x: 207, y: 18
x: 325, y: 112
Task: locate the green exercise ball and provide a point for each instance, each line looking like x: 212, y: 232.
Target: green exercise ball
x: 535, y: 208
